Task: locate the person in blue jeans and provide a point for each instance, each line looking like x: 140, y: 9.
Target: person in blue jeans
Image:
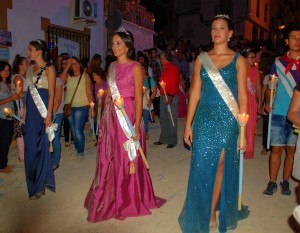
x: 58, y: 109
x: 79, y: 95
x: 149, y: 90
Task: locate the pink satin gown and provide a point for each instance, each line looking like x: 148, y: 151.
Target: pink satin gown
x: 252, y: 111
x: 114, y: 192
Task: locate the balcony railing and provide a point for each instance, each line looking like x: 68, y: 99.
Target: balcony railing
x: 133, y: 12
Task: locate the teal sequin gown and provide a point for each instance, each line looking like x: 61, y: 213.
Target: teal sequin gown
x: 214, y: 128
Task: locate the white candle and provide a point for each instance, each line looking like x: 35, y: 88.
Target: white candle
x: 273, y: 81
x: 18, y: 87
x: 92, y: 107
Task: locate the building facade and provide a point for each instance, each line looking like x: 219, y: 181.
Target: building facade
x: 251, y: 19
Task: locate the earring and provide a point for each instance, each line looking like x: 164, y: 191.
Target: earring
x: 229, y: 39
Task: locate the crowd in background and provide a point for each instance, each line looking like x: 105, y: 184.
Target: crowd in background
x: 183, y: 55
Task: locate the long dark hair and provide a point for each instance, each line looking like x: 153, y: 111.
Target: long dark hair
x: 41, y: 45
x: 17, y: 62
x: 128, y: 39
x: 2, y: 67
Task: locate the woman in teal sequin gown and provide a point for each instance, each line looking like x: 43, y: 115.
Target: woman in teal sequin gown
x: 212, y: 130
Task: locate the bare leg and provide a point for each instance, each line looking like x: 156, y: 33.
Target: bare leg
x: 20, y: 143
x: 275, y: 161
x: 288, y: 162
x: 217, y: 188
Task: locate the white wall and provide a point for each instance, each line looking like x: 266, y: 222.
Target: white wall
x: 24, y: 22
x: 143, y: 38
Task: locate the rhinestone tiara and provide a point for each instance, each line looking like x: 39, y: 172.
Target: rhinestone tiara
x: 122, y: 29
x: 222, y: 16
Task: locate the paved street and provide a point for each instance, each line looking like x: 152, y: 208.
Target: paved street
x: 63, y: 211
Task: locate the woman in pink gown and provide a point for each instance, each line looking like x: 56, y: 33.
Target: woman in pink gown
x: 121, y: 187
x: 254, y: 101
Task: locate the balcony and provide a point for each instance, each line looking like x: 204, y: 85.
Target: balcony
x: 132, y: 12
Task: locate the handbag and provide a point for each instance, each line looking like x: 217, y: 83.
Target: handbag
x: 67, y: 107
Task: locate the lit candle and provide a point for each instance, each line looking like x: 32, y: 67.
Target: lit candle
x: 92, y: 107
x: 100, y: 93
x: 18, y: 87
x: 8, y: 112
x: 91, y: 118
x: 272, y: 85
x: 273, y: 81
x: 163, y: 85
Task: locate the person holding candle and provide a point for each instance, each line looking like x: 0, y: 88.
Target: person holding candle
x: 212, y: 131
x: 99, y: 86
x: 19, y: 84
x: 122, y: 184
x: 7, y: 99
x: 149, y: 90
x: 39, y: 110
x: 58, y: 110
x: 79, y: 93
x: 287, y: 71
x: 254, y: 100
x: 170, y: 77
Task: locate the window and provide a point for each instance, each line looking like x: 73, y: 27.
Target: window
x: 82, y: 39
x: 257, y: 8
x: 266, y: 12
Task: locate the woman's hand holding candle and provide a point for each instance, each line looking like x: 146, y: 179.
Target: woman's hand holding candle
x: 243, y: 119
x: 18, y: 87
x: 119, y: 102
x: 92, y: 104
x: 9, y: 112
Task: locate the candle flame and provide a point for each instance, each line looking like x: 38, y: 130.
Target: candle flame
x: 7, y: 111
x: 100, y: 92
x: 162, y: 83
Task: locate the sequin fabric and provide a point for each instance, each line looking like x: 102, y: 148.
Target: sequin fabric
x: 214, y: 128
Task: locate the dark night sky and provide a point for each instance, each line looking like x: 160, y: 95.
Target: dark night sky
x: 159, y: 8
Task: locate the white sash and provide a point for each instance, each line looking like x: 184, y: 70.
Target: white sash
x: 220, y: 84
x: 286, y: 79
x: 130, y: 145
x: 42, y: 108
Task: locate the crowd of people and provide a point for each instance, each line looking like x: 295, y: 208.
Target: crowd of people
x: 219, y: 83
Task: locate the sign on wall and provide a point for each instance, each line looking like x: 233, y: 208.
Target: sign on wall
x: 5, y: 38
x: 4, y: 54
x: 70, y: 47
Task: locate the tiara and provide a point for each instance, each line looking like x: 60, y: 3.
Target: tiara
x: 39, y: 41
x: 122, y: 29
x: 222, y: 16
